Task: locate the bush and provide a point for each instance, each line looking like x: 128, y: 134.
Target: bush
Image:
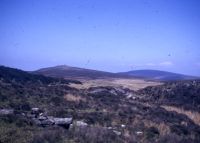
x: 179, y: 130
x: 49, y: 136
x: 151, y: 133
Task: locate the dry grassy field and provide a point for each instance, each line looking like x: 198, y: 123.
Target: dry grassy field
x: 133, y: 84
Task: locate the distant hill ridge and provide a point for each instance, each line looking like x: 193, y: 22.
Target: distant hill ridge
x: 159, y: 75
x: 64, y: 71
x: 9, y: 74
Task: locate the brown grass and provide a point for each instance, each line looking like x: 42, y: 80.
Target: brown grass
x: 73, y: 98
x: 162, y: 127
x: 194, y: 116
x: 134, y: 84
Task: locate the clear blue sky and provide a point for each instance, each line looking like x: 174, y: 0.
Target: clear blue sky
x: 110, y: 35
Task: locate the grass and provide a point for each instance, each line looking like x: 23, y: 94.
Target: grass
x: 9, y: 133
x: 162, y: 127
x: 73, y: 98
x: 133, y: 84
x: 193, y: 115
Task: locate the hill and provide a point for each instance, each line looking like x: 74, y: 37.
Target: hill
x: 158, y: 75
x: 11, y: 74
x: 69, y: 72
x: 64, y: 71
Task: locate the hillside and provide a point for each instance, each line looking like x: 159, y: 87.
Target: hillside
x: 77, y: 73
x: 33, y: 110
x: 9, y: 74
x: 183, y: 94
x: 158, y: 75
x: 68, y: 72
x: 93, y: 78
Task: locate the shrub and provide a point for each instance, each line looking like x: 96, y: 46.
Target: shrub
x: 151, y: 133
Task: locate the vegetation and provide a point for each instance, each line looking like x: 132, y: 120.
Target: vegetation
x: 109, y: 114
x: 184, y: 94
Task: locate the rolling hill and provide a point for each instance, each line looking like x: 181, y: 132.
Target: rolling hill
x: 10, y: 74
x: 158, y: 75
x: 68, y: 72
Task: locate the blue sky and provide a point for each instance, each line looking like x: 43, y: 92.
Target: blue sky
x: 109, y: 35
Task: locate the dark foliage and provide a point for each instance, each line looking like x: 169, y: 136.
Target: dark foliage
x: 181, y: 93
